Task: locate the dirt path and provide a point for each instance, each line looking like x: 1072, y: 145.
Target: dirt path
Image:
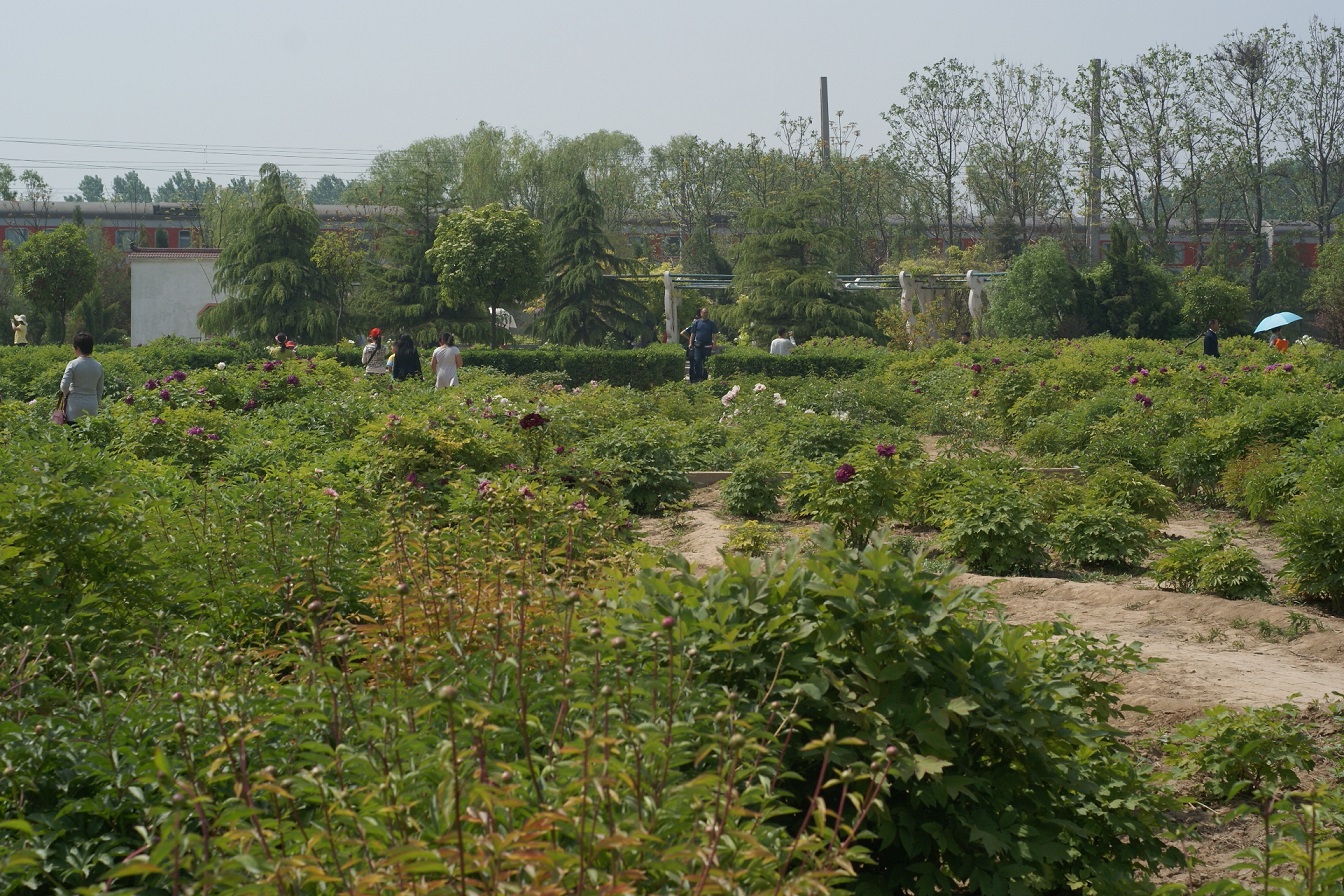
x: 1239, y: 653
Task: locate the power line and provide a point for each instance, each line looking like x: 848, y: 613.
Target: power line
x: 195, y: 148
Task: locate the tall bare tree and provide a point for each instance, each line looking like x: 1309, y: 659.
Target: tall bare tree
x: 933, y: 131
x: 1016, y: 170
x: 1247, y: 87
x: 1313, y: 121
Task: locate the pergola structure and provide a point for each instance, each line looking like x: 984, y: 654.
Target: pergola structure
x: 911, y: 288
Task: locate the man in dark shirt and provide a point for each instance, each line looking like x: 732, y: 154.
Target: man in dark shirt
x: 1211, y: 340
x: 701, y: 338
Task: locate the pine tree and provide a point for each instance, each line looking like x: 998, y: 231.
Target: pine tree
x: 783, y: 274
x: 701, y: 255
x: 266, y: 272
x: 583, y: 305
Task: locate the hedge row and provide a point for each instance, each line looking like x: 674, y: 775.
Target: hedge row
x: 737, y: 362
x: 641, y: 368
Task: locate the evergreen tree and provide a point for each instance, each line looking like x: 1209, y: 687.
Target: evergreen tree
x: 783, y: 274
x: 327, y: 190
x: 582, y: 304
x: 266, y: 273
x: 1325, y: 296
x: 700, y: 254
x: 400, y: 289
x: 1285, y: 280
x: 1134, y: 296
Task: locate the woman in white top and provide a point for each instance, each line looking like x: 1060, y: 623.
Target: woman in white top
x: 374, y: 358
x: 82, y: 382
x: 445, y: 361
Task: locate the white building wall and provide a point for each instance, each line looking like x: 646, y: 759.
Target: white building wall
x: 167, y: 294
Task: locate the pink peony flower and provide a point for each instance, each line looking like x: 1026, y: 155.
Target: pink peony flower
x: 844, y: 473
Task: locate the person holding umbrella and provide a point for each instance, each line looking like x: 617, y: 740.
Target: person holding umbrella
x: 1274, y: 323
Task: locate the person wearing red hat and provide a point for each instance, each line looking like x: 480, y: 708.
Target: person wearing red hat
x: 374, y: 358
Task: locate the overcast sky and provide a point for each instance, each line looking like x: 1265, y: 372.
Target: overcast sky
x: 321, y: 87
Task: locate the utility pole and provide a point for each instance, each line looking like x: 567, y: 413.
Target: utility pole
x: 1094, y: 170
x: 825, y: 126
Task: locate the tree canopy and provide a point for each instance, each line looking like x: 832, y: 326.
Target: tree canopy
x: 783, y: 274
x: 266, y: 272
x: 486, y: 257
x: 583, y: 304
x: 53, y: 270
x: 1036, y: 295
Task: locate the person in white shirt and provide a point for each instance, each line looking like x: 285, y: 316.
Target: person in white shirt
x: 445, y: 362
x: 783, y: 344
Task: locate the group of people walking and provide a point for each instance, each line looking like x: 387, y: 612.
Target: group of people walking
x: 82, y: 383
x: 403, y: 361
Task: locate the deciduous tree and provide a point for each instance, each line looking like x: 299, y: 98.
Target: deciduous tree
x: 1313, y: 121
x: 90, y: 190
x: 1155, y: 138
x: 1039, y: 293
x: 1247, y: 77
x: 1205, y: 296
x: 933, y: 131
x: 1016, y: 169
x: 53, y: 270
x: 130, y: 188
x: 183, y: 187
x: 487, y: 257
x: 340, y: 260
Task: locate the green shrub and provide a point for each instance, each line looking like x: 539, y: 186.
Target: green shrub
x: 1256, y: 752
x: 1193, y: 463
x: 752, y: 538
x: 1258, y: 482
x: 995, y: 734
x: 818, y: 362
x: 1124, y: 486
x: 753, y: 490
x: 1101, y: 535
x: 1214, y: 565
x: 641, y: 368
x: 853, y: 497
x: 645, y: 460
x: 1311, y: 531
x: 993, y: 526
x: 1234, y: 573
x: 1179, y: 567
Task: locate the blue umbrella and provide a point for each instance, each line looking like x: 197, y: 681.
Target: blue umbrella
x: 1282, y: 319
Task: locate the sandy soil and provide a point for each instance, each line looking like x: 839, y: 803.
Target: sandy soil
x: 1212, y: 651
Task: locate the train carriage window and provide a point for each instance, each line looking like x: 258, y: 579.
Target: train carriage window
x: 16, y: 235
x: 126, y: 239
